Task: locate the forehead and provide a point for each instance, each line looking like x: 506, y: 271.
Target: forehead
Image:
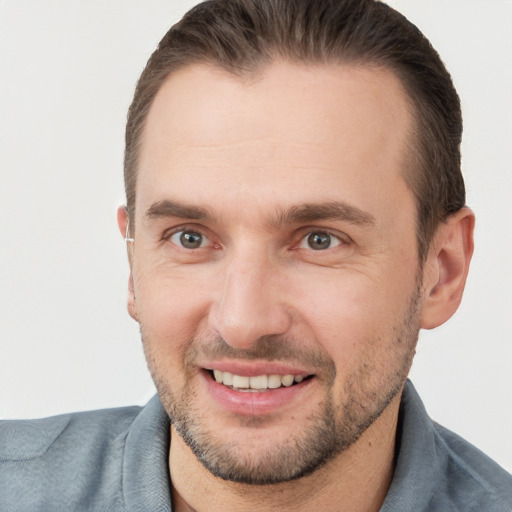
x: 294, y: 133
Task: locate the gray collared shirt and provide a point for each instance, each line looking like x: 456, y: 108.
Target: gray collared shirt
x: 116, y: 460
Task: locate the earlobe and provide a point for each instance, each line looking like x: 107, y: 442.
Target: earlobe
x: 447, y: 267
x: 122, y: 222
x: 132, y: 307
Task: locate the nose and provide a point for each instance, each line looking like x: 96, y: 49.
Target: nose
x: 250, y: 303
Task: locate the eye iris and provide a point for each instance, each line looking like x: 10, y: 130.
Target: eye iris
x: 319, y: 241
x: 191, y: 239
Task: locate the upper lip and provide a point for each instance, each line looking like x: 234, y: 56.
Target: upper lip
x: 253, y: 369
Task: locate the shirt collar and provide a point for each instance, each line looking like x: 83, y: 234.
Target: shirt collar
x: 418, y: 467
x: 146, y: 481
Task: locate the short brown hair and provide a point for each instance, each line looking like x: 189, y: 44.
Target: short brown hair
x: 242, y: 36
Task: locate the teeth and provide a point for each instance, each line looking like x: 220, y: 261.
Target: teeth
x: 240, y: 382
x: 258, y: 382
x: 287, y: 380
x: 274, y: 381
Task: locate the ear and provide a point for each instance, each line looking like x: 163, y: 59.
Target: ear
x: 122, y: 222
x: 447, y: 267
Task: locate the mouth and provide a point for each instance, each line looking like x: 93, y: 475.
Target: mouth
x: 258, y: 383
x: 255, y: 389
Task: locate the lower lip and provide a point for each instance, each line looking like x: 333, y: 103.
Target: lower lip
x: 255, y: 403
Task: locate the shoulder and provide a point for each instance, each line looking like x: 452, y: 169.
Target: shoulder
x: 31, y: 439
x: 72, y: 458
x: 437, y: 470
x: 472, y: 478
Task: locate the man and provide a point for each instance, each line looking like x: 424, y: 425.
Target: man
x: 295, y: 214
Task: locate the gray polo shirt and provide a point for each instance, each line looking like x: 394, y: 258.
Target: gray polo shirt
x: 116, y: 460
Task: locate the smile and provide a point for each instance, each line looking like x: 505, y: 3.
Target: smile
x: 257, y: 383
x: 255, y: 389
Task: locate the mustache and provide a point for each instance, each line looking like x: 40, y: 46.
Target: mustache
x: 266, y: 348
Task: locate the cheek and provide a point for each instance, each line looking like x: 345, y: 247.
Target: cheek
x: 170, y: 310
x: 356, y: 317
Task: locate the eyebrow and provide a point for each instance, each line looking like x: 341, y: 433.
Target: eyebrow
x: 334, y: 210
x: 168, y: 208
x: 299, y: 214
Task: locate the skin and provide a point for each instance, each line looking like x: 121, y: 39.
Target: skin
x: 248, y: 154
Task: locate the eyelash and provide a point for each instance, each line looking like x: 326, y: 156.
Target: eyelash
x: 341, y: 239
x: 166, y: 237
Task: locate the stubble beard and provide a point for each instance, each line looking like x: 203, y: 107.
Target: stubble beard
x: 328, y: 432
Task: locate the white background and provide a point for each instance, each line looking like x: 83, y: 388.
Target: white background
x: 67, y: 74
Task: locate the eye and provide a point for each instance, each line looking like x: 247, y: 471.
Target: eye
x: 319, y: 241
x: 189, y: 239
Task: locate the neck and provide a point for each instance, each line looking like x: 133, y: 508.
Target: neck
x: 356, y: 480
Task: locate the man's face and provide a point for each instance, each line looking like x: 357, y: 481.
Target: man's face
x: 275, y: 242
